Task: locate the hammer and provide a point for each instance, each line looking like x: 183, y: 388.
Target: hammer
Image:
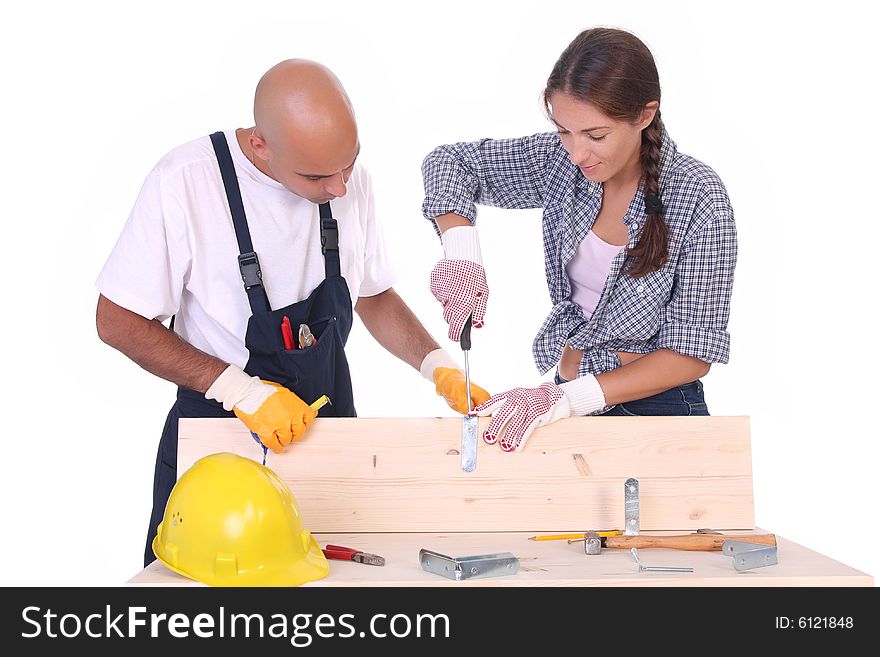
x: 593, y: 542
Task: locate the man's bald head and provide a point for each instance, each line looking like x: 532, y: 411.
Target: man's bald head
x: 299, y: 100
x: 305, y: 129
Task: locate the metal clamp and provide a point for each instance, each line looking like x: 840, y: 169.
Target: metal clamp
x: 750, y: 555
x: 460, y: 568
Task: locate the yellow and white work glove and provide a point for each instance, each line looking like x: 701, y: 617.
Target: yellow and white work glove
x: 449, y: 379
x: 518, y: 412
x: 268, y: 409
x: 458, y: 281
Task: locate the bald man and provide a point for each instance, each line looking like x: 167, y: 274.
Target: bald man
x: 258, y: 243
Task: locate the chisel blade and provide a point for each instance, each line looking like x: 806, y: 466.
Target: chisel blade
x: 469, y: 443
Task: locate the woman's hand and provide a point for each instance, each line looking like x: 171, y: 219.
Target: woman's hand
x: 458, y: 281
x: 518, y: 412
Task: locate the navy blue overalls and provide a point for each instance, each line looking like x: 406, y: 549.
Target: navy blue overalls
x: 321, y: 369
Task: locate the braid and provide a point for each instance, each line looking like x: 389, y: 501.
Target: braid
x: 652, y: 249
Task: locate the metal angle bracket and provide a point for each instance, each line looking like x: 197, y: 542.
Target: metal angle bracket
x: 469, y: 443
x: 461, y: 568
x: 658, y: 569
x: 631, y: 507
x: 750, y: 555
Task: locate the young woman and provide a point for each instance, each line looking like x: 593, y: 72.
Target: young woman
x: 639, y: 244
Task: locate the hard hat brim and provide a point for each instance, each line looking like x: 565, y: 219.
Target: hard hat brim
x: 312, y: 566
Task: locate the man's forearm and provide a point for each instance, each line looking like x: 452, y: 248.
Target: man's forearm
x: 155, y: 348
x: 390, y: 321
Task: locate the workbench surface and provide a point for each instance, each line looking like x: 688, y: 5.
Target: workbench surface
x: 554, y: 563
x: 392, y: 486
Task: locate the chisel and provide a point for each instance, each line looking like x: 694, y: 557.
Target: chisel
x: 469, y: 422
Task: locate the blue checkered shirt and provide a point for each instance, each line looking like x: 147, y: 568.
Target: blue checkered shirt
x: 684, y: 306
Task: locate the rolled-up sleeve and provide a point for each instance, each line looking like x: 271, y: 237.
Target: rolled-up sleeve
x: 695, y: 319
x: 506, y: 173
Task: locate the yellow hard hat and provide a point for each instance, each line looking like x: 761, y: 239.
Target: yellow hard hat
x: 230, y: 521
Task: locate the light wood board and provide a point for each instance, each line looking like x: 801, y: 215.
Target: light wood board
x: 404, y: 474
x: 553, y: 563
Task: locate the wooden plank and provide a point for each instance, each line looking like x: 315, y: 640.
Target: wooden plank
x: 404, y: 475
x: 554, y: 563
x: 422, y: 505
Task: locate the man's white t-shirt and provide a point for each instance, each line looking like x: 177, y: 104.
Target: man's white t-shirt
x: 178, y: 254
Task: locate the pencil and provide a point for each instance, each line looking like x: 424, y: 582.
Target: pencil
x: 559, y: 537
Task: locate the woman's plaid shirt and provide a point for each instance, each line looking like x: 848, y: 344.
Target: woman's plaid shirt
x: 684, y: 306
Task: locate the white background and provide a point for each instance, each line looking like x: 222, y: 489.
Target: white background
x: 779, y: 98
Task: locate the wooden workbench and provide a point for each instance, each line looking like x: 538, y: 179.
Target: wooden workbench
x: 394, y: 486
x: 553, y: 563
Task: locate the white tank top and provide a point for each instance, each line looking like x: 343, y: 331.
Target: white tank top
x: 589, y: 269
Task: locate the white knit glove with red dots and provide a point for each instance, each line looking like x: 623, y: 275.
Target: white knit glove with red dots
x: 518, y: 412
x: 458, y: 281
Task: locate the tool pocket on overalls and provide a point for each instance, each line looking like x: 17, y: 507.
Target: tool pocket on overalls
x: 315, y: 327
x: 307, y: 364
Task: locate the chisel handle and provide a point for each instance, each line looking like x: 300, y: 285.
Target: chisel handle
x: 702, y: 542
x: 465, y: 339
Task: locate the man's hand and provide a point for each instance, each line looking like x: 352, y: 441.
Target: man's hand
x: 458, y: 281
x: 450, y: 382
x: 452, y: 386
x: 270, y: 410
x: 518, y: 412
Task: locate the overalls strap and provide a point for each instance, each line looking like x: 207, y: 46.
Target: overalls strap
x: 248, y: 263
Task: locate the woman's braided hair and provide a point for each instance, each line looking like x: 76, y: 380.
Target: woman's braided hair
x: 615, y: 71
